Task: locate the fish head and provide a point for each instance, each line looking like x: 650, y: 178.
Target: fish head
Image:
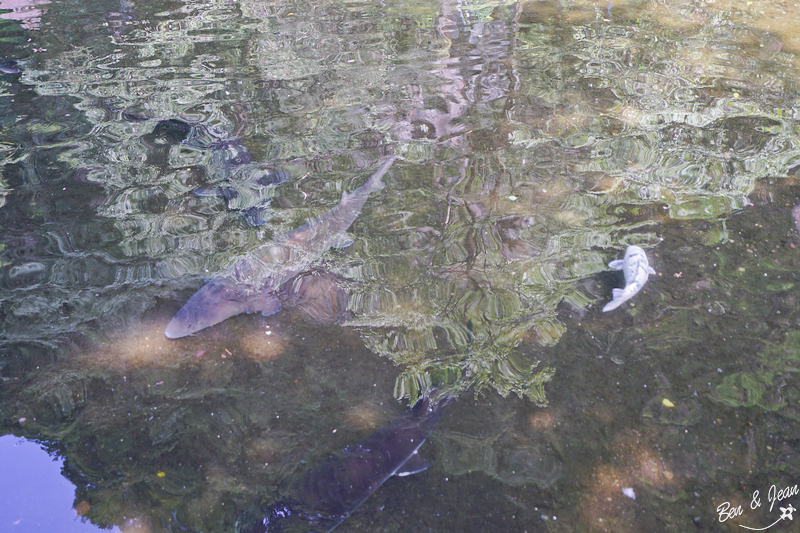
x: 633, y: 252
x: 635, y: 265
x: 216, y: 301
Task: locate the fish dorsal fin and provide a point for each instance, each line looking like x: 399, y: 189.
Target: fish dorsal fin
x: 413, y: 465
x: 267, y: 304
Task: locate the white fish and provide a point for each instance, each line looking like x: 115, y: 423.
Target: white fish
x: 636, y: 268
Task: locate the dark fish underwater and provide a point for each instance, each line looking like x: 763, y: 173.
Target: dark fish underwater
x: 329, y: 493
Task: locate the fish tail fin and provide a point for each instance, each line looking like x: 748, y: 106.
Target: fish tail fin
x: 414, y: 465
x: 616, y: 301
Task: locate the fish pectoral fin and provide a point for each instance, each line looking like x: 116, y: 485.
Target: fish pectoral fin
x: 650, y: 270
x: 342, y: 240
x: 616, y: 264
x: 266, y: 303
x: 413, y: 465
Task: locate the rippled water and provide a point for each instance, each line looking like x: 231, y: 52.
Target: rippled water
x: 146, y: 147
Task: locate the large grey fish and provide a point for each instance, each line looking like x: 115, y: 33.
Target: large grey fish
x: 636, y: 269
x: 327, y: 495
x: 250, y: 284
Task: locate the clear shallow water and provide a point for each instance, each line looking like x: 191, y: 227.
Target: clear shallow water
x: 535, y: 143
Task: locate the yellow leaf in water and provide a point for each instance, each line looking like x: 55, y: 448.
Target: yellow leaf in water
x: 667, y: 403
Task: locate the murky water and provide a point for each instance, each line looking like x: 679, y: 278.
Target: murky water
x: 147, y: 146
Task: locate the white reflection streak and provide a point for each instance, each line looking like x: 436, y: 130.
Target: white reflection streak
x: 27, y: 12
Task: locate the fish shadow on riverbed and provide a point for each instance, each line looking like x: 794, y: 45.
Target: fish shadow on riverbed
x: 317, y: 297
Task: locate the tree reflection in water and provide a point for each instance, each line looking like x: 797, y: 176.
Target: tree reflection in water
x: 537, y: 141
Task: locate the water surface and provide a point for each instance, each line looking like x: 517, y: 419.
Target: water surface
x: 535, y: 142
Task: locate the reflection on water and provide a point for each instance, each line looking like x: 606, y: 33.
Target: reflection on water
x: 35, y: 496
x: 536, y: 141
x: 27, y: 12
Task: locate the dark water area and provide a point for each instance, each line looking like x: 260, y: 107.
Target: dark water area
x: 147, y: 146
